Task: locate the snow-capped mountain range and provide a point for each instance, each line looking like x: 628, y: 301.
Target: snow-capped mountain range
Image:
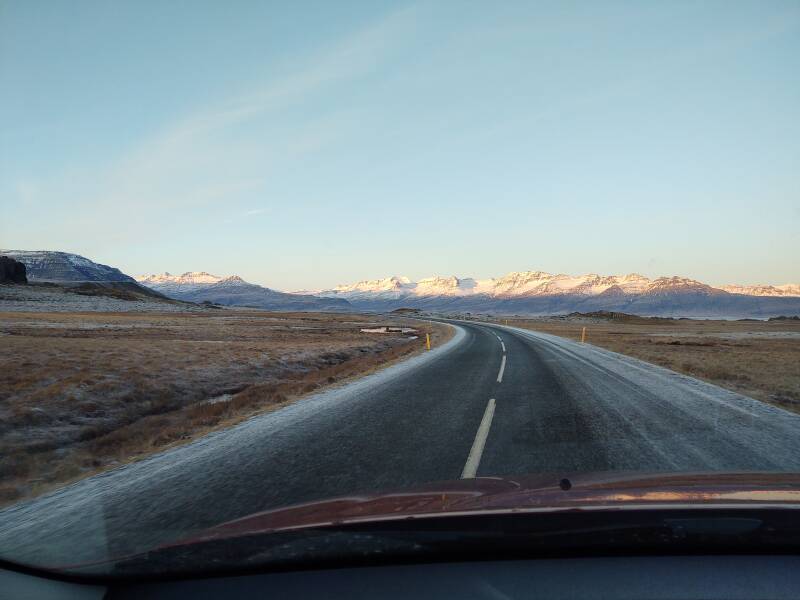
x: 190, y: 281
x: 764, y: 290
x: 540, y: 293
x: 527, y: 292
x: 536, y: 283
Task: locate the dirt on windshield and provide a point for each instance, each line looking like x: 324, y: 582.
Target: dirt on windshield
x: 82, y: 392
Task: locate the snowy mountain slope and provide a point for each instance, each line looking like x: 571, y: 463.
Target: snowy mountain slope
x: 199, y: 286
x: 764, y: 290
x: 170, y: 284
x: 538, y: 283
x: 537, y: 292
x: 46, y: 265
x: 526, y: 292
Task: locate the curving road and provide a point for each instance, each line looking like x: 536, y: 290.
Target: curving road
x: 493, y: 401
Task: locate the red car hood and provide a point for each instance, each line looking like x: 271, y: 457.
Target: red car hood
x: 520, y: 494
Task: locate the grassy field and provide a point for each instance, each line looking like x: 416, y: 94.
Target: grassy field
x: 760, y: 359
x: 82, y: 392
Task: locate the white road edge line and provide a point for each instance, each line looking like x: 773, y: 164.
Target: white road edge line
x: 503, y: 346
x: 474, y: 459
x: 502, y: 370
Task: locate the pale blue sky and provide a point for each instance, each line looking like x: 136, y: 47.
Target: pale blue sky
x: 305, y: 144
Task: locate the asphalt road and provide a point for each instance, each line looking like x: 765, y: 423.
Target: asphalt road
x: 493, y: 401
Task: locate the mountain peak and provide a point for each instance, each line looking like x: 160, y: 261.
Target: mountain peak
x: 232, y: 279
x: 387, y: 284
x: 187, y: 278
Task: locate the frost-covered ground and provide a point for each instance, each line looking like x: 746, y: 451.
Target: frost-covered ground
x: 736, y: 335
x: 83, y: 391
x: 37, y: 298
x: 760, y: 359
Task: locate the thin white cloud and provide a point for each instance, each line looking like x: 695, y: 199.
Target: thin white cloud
x: 27, y: 191
x: 255, y: 211
x: 209, y: 155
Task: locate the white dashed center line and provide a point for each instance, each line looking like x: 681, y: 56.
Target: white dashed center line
x: 502, y: 370
x: 474, y: 458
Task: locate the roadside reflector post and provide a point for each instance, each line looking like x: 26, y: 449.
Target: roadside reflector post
x: 583, y: 336
x: 506, y: 321
x: 428, y: 341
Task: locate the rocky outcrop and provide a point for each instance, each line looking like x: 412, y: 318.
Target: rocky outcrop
x: 12, y: 271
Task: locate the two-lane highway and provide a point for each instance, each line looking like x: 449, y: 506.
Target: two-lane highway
x: 494, y: 401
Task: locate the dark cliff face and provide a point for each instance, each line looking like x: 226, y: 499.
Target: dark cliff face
x: 12, y: 271
x: 63, y: 266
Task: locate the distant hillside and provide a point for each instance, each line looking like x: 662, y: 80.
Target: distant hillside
x: 199, y: 286
x: 46, y: 265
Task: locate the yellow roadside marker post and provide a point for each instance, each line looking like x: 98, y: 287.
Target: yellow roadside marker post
x: 428, y: 341
x: 583, y: 336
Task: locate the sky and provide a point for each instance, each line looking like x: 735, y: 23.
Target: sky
x: 302, y: 145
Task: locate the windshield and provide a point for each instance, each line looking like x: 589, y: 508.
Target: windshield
x: 269, y: 267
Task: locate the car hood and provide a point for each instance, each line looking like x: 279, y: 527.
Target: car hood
x: 486, y: 495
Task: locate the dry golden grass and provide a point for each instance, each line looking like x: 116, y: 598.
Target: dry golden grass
x: 760, y: 359
x: 81, y: 392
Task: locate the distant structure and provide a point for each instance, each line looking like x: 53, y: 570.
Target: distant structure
x: 12, y: 271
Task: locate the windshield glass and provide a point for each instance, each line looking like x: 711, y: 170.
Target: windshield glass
x: 266, y: 267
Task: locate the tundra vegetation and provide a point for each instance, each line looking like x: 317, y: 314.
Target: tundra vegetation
x: 83, y: 392
x: 760, y: 359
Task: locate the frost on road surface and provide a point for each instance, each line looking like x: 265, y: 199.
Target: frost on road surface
x: 80, y: 520
x: 681, y: 422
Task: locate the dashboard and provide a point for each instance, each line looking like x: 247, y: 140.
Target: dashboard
x: 640, y: 577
